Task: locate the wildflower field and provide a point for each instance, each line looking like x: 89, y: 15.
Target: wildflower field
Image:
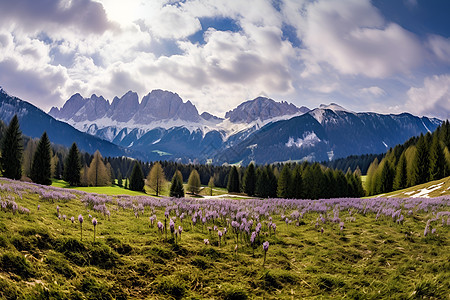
x: 66, y: 244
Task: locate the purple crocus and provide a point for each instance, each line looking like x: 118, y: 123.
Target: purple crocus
x: 265, y: 248
x: 160, y: 226
x: 39, y: 207
x: 94, y: 222
x: 80, y: 219
x: 206, y: 241
x: 72, y: 219
x: 180, y: 230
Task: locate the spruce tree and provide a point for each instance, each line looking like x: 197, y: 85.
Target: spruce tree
x: 386, y: 177
x: 250, y: 180
x: 193, y: 185
x: 176, y: 186
x: 437, y: 159
x: 41, y: 167
x: 11, y: 151
x: 233, y: 181
x: 272, y: 182
x: 261, y: 183
x: 119, y: 178
x: 297, y: 183
x: 284, y: 183
x: 98, y: 174
x: 72, y: 168
x: 421, y: 169
x: 211, y: 185
x: 401, y: 175
x: 156, y: 179
x: 137, y: 178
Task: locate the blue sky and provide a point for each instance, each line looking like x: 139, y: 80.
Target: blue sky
x: 387, y: 56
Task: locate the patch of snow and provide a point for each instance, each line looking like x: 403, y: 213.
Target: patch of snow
x: 309, y: 139
x: 409, y: 193
x: 423, y: 193
x: 318, y: 114
x: 334, y: 107
x: 425, y: 126
x: 330, y: 155
x: 385, y: 144
x: 130, y: 145
x: 156, y: 142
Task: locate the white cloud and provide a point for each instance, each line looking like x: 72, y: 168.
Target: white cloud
x: 353, y: 37
x: 431, y: 99
x: 440, y: 47
x: 373, y: 91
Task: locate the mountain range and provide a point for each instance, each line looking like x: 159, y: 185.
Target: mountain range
x: 161, y: 126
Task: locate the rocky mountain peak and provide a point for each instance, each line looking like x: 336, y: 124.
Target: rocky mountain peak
x: 262, y: 108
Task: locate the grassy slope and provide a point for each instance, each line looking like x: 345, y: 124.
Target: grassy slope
x: 115, y: 190
x: 436, y: 188
x: 370, y: 259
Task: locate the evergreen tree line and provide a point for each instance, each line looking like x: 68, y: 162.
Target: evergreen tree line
x: 353, y: 162
x: 299, y: 181
x: 419, y: 160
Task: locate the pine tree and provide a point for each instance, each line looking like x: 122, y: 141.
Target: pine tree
x: 176, y: 186
x: 28, y: 156
x: 386, y: 177
x: 193, y: 185
x: 72, y: 168
x: 284, y: 183
x: 297, y: 183
x: 371, y: 177
x: 119, y: 178
x: 41, y: 168
x: 250, y: 180
x: 137, y: 178
x: 401, y: 175
x: 156, y: 179
x: 98, y: 175
x: 272, y: 182
x: 421, y: 169
x: 437, y: 159
x: 261, y: 183
x: 211, y: 185
x: 11, y: 150
x: 233, y: 181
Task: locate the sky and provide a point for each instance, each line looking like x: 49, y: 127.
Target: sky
x: 386, y: 56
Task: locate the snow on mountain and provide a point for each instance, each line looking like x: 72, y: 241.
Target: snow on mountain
x: 262, y: 109
x: 166, y: 110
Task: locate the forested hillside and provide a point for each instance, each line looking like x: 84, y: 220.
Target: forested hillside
x: 417, y: 161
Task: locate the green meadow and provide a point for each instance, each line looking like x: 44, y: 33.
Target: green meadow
x: 43, y: 256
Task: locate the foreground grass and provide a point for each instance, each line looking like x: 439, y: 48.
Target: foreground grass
x: 42, y: 256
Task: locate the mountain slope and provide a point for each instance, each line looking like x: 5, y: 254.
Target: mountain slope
x: 33, y: 122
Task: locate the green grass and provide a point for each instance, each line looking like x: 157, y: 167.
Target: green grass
x: 42, y: 257
x: 112, y: 190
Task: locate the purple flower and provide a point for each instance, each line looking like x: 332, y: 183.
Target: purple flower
x: 266, y: 246
x: 219, y: 233
x: 433, y: 231
x: 72, y: 219
x: 94, y: 222
x: 39, y: 206
x: 253, y: 237
x: 80, y: 218
x: 172, y: 226
x: 180, y: 229
x: 206, y: 241
x: 321, y: 230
